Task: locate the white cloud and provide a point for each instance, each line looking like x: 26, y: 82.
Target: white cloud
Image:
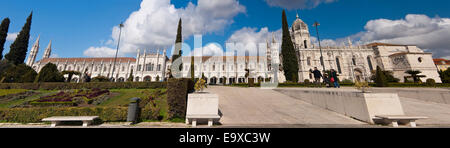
x: 54, y: 55
x: 101, y: 52
x: 250, y: 37
x: 430, y: 34
x: 12, y: 36
x: 421, y: 30
x: 154, y: 25
x: 297, y: 4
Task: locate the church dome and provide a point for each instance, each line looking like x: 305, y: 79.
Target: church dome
x: 299, y: 24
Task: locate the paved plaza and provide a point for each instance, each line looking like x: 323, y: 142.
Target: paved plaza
x: 254, y: 106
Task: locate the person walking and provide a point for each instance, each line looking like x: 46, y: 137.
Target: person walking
x: 326, y: 80
x: 334, y: 79
x: 317, y: 76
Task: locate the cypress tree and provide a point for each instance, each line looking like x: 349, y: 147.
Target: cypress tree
x: 130, y: 79
x: 3, y: 34
x: 18, y: 49
x: 290, y: 62
x: 178, y: 45
x: 192, y: 68
x: 380, y: 78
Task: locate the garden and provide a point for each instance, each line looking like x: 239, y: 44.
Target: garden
x: 18, y: 105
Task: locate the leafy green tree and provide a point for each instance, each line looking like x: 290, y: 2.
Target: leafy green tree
x: 49, y: 73
x: 178, y: 45
x: 415, y: 75
x: 445, y: 76
x: 70, y: 73
x: 388, y: 74
x: 3, y: 34
x: 19, y: 48
x: 19, y: 74
x: 380, y: 78
x: 290, y: 61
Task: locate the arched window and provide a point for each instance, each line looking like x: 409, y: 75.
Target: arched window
x: 306, y: 44
x: 308, y: 61
x: 354, y: 61
x: 369, y: 61
x: 338, y: 64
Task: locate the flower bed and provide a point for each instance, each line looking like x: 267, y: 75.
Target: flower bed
x: 71, y: 98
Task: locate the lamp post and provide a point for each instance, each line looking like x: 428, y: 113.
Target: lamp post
x: 316, y: 24
x: 117, y: 50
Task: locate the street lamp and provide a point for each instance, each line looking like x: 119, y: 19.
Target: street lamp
x: 117, y: 50
x: 316, y: 24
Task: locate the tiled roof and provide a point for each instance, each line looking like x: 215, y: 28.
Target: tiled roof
x: 441, y: 61
x: 119, y: 59
x: 383, y: 44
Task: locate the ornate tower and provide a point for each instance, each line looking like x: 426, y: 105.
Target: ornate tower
x: 300, y: 34
x: 48, y: 51
x: 33, y: 53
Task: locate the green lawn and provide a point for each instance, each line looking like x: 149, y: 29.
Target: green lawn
x: 4, y: 92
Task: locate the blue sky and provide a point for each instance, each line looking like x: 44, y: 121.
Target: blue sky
x: 75, y: 26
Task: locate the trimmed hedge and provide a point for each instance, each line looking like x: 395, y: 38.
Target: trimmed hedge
x: 35, y: 115
x: 177, y: 92
x: 100, y: 85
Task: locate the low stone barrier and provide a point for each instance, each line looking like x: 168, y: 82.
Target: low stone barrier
x: 352, y: 103
x: 437, y: 95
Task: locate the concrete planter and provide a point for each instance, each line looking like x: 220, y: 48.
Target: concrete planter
x: 202, y: 106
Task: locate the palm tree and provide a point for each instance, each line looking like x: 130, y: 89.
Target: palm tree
x: 414, y: 74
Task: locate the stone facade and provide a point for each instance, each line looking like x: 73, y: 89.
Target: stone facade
x: 351, y: 62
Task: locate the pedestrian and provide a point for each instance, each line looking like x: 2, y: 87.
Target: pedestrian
x: 317, y: 76
x: 334, y: 79
x: 326, y: 80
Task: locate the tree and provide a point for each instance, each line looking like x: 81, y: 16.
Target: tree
x: 70, y: 73
x: 3, y: 34
x: 445, y: 76
x: 380, y: 78
x: 388, y: 74
x: 290, y: 61
x: 49, y: 73
x: 131, y: 78
x: 19, y: 74
x: 19, y: 48
x: 192, y: 68
x: 178, y: 45
x: 415, y: 75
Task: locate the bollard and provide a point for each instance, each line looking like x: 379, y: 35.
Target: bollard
x: 133, y: 110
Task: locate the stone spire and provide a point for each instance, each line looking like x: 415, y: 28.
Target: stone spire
x: 33, y: 53
x: 298, y: 15
x: 350, y: 44
x: 48, y: 51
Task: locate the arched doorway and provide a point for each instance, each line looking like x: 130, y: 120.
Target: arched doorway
x: 241, y: 80
x: 260, y: 79
x: 121, y: 79
x: 358, y: 75
x: 213, y: 81
x: 232, y: 80
x: 147, y: 79
x: 137, y: 79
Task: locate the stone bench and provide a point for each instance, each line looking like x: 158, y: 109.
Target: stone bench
x: 396, y: 119
x: 87, y: 120
x: 202, y: 107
